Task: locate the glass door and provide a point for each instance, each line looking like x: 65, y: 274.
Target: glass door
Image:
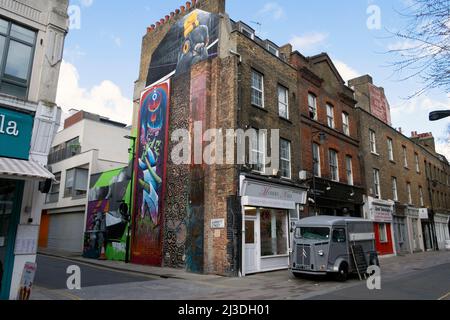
x: 10, y: 201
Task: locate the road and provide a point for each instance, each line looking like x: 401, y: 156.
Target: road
x: 427, y: 284
x: 51, y: 274
x: 422, y: 276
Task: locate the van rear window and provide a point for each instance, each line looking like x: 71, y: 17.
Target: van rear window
x: 313, y: 233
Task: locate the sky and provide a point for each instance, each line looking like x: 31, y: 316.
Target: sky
x: 103, y: 47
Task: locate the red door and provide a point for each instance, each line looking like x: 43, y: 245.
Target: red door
x: 383, y: 237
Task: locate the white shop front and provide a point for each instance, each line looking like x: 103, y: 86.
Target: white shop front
x: 269, y: 210
x: 413, y: 218
x: 442, y: 232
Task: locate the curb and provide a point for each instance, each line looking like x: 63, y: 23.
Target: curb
x: 91, y: 263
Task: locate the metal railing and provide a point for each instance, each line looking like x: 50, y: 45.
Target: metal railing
x: 64, y: 154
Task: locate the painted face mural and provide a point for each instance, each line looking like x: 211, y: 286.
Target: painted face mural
x: 150, y: 174
x: 191, y: 40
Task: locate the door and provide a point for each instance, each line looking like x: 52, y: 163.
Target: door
x: 10, y: 204
x: 251, y: 245
x: 338, y: 245
x: 415, y: 230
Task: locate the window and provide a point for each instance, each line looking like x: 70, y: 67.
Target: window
x: 330, y: 116
x: 334, y: 165
x: 258, y: 151
x: 283, y: 102
x: 390, y: 144
x: 76, y: 183
x: 373, y: 141
x: 346, y: 124
x: 16, y: 56
x: 376, y: 183
x: 285, y: 158
x: 416, y: 157
x: 273, y: 50
x: 339, y: 236
x: 408, y: 191
x: 53, y: 195
x: 274, y: 233
x: 394, y: 189
x: 422, y: 203
x: 316, y: 159
x: 405, y: 157
x: 248, y: 32
x: 257, y: 89
x: 349, y: 163
x: 312, y: 104
x: 382, y: 233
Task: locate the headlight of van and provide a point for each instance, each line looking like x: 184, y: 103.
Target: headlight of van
x: 321, y: 253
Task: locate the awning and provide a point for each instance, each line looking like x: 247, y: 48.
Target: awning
x: 15, y: 168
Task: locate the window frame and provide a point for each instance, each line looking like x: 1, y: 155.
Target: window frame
x: 285, y: 159
x: 373, y: 142
x: 285, y: 104
x: 382, y: 233
x: 334, y: 167
x: 276, y: 51
x: 72, y: 194
x: 421, y: 197
x: 390, y: 144
x: 349, y: 170
x: 260, y: 135
x: 376, y: 183
x: 313, y: 109
x: 4, y: 58
x: 417, y: 160
x: 405, y: 157
x: 331, y: 118
x: 409, y: 193
x: 346, y: 123
x: 259, y: 90
x: 317, y: 161
x: 394, y: 182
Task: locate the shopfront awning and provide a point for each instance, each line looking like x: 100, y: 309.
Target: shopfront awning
x: 22, y: 169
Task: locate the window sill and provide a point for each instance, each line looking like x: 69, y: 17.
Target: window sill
x: 259, y: 108
x: 286, y: 119
x: 276, y: 256
x: 375, y: 154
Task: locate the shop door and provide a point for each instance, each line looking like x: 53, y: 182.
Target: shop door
x: 416, y: 240
x: 10, y: 202
x: 251, y: 245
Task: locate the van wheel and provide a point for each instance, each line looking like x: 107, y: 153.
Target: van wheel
x: 342, y: 274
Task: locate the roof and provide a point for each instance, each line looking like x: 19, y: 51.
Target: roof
x: 329, y: 220
x: 24, y: 169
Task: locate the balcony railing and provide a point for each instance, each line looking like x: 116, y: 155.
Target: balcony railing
x: 63, y: 154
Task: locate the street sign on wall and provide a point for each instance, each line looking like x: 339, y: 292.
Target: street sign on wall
x: 15, y: 134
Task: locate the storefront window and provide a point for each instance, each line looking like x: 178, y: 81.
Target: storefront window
x: 274, y: 233
x: 383, y: 233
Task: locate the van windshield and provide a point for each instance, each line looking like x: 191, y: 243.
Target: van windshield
x: 313, y: 233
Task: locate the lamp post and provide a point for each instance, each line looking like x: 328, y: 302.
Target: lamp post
x: 439, y: 115
x: 130, y: 218
x: 322, y: 137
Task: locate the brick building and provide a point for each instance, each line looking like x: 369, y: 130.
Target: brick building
x: 396, y: 178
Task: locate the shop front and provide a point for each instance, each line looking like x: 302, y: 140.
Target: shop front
x: 381, y: 212
x: 427, y: 229
x: 19, y: 181
x: 414, y: 230
x: 441, y: 222
x: 269, y: 210
x: 401, y: 237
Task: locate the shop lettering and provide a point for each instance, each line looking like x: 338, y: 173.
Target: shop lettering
x: 8, y: 127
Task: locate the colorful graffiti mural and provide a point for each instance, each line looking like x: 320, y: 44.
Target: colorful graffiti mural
x: 150, y: 174
x: 191, y: 40
x: 105, y: 226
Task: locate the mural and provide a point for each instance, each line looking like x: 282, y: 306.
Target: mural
x: 191, y: 40
x: 105, y: 226
x: 379, y: 104
x: 150, y: 174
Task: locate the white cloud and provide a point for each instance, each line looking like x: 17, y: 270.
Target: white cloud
x: 86, y: 3
x: 443, y: 147
x: 117, y: 40
x: 308, y: 41
x: 347, y: 72
x: 418, y: 104
x: 273, y: 9
x: 105, y: 99
x: 402, y: 45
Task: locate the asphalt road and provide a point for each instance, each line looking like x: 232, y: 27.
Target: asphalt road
x: 51, y: 274
x: 425, y: 284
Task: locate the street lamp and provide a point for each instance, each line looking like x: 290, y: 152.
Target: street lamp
x: 439, y: 115
x: 130, y: 218
x: 322, y: 137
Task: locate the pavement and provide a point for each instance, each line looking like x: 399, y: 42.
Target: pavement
x: 108, y: 280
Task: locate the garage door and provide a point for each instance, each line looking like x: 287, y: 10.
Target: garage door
x: 66, y: 232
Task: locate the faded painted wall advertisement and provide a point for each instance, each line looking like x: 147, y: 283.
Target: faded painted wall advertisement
x: 150, y: 174
x: 379, y: 104
x: 191, y: 40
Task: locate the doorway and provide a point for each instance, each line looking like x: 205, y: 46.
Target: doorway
x: 10, y: 204
x: 251, y: 241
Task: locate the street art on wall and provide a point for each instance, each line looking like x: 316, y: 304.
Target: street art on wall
x: 150, y: 174
x: 105, y: 225
x: 191, y: 40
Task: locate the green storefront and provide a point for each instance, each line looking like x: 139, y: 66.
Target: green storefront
x: 15, y: 140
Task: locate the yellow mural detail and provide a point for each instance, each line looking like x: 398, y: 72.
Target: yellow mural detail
x: 191, y: 23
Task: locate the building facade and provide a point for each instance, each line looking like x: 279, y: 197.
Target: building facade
x: 397, y: 178
x: 32, y: 35
x: 88, y: 144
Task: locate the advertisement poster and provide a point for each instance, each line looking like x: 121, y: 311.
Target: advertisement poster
x: 191, y: 40
x: 379, y: 105
x: 26, y: 284
x: 150, y: 174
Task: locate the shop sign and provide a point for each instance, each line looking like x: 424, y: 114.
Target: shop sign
x: 15, y: 134
x: 274, y: 192
x: 217, y: 223
x: 423, y: 214
x: 382, y: 213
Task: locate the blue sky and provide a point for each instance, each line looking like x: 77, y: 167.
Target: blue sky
x: 102, y: 56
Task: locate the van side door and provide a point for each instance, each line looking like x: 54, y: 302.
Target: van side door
x: 338, y: 245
